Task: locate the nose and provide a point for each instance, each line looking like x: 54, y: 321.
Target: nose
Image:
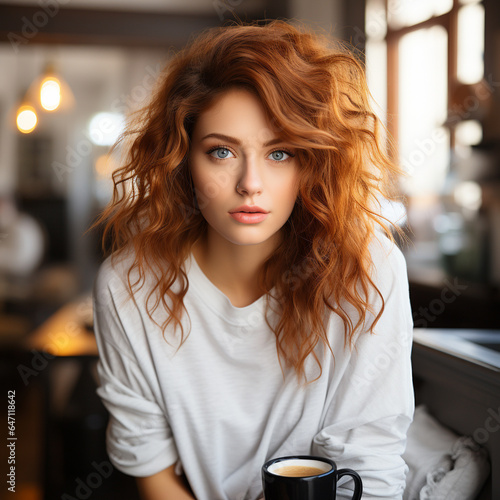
x: 250, y: 180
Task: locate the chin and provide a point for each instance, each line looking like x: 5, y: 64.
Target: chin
x: 249, y: 240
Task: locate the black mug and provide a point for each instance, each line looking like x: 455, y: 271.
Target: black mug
x: 305, y: 478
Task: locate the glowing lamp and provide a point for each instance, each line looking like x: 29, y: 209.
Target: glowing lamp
x: 50, y: 93
x: 26, y: 119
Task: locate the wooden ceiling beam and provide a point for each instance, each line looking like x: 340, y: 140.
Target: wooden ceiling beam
x: 51, y: 23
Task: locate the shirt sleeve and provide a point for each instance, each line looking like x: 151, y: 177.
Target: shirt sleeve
x: 139, y: 440
x: 368, y: 414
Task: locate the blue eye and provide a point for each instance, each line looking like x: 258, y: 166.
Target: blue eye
x: 279, y: 155
x: 220, y: 153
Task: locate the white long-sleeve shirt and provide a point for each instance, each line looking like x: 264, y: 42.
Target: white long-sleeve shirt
x: 219, y: 407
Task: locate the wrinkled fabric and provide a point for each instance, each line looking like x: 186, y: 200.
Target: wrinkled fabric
x: 219, y: 406
x: 464, y: 480
x: 442, y: 465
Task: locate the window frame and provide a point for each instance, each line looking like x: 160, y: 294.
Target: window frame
x: 449, y: 21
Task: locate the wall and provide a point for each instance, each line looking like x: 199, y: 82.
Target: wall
x: 327, y: 15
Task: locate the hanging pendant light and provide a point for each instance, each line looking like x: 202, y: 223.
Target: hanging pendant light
x: 52, y: 92
x: 49, y: 92
x: 26, y: 119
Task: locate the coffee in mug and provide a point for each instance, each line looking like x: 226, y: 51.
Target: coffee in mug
x: 305, y: 478
x: 298, y: 471
x: 299, y: 468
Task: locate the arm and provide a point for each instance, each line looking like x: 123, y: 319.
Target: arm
x: 164, y: 485
x: 139, y: 439
x: 368, y: 414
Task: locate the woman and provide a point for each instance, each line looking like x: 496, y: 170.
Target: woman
x: 252, y: 308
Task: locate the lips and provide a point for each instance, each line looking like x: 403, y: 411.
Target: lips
x: 249, y: 217
x: 249, y: 210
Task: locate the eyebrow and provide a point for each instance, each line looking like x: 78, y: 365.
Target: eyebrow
x: 236, y: 141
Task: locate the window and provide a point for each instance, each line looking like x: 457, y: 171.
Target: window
x: 421, y: 53
x: 424, y: 62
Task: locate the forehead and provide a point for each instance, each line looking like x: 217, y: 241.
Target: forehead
x: 238, y: 113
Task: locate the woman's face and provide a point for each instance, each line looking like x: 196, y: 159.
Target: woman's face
x: 239, y: 165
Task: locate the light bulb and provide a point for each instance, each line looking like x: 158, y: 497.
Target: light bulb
x: 26, y: 119
x: 50, y: 93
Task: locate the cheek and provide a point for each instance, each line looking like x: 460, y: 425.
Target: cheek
x: 199, y: 183
x: 210, y: 186
x: 289, y: 189
x: 214, y: 181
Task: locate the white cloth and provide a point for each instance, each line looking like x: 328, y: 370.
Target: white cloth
x: 443, y: 466
x: 219, y: 405
x: 469, y: 471
x: 427, y: 450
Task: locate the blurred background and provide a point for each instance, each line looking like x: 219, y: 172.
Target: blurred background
x: 70, y: 73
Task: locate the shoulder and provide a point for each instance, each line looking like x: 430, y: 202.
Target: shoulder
x: 112, y: 273
x: 112, y: 278
x: 387, y: 263
x: 119, y: 318
x: 120, y: 279
x: 384, y: 252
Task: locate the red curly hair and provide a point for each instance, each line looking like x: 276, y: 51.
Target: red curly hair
x: 316, y: 96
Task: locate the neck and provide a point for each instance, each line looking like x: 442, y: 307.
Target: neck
x: 234, y: 269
